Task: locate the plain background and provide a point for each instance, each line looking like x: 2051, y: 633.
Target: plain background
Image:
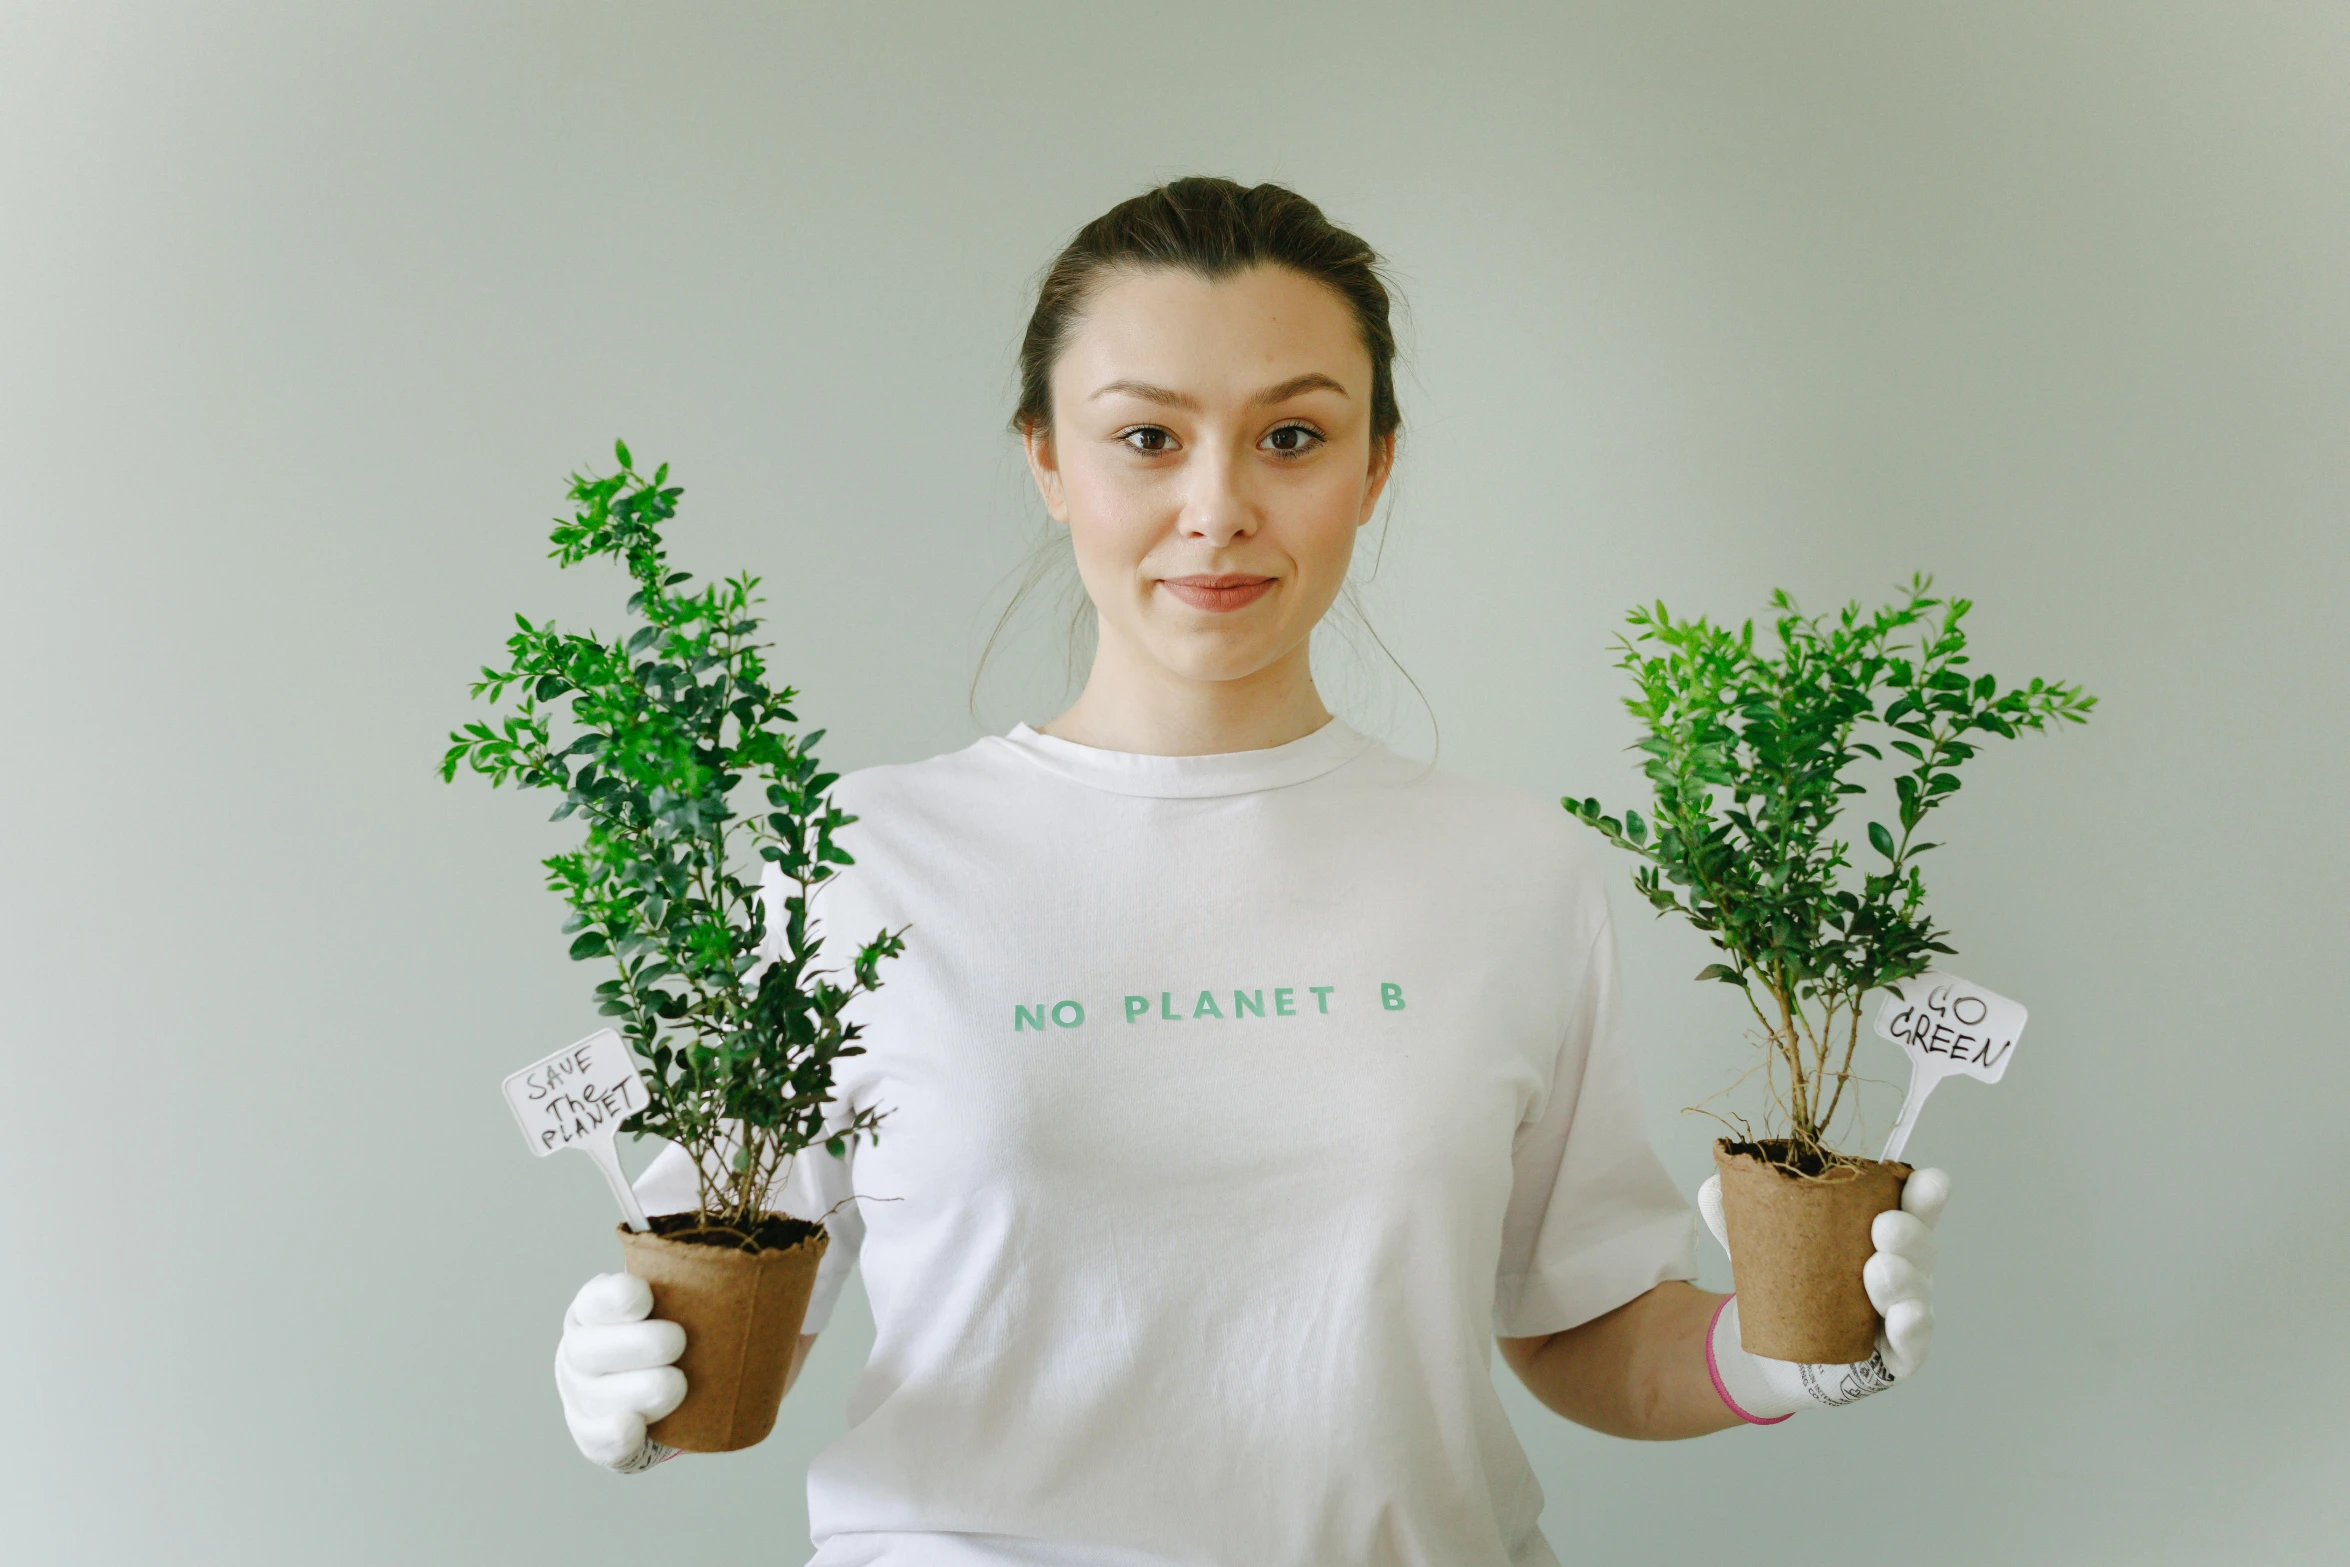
x: 305, y: 312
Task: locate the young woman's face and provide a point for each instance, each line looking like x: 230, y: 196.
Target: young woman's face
x: 1211, y: 456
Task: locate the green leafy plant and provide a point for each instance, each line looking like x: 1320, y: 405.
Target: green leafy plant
x: 1752, y: 751
x: 738, y: 1032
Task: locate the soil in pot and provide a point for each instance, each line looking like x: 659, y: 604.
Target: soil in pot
x: 741, y: 1301
x: 1798, y: 1240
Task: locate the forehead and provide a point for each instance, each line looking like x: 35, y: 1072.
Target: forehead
x: 1172, y: 327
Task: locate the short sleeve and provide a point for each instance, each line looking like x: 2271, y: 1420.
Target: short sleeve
x: 813, y: 1188
x: 1593, y: 1219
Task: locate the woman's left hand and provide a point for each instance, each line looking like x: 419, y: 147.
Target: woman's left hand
x: 1900, y: 1282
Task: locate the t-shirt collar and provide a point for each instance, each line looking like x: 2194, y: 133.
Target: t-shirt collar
x: 1193, y: 777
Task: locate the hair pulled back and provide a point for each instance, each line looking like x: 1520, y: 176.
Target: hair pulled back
x: 1216, y: 228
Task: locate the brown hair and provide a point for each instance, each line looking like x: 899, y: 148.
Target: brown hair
x: 1214, y: 227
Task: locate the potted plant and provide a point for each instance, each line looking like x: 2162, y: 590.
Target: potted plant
x: 717, y: 990
x: 1753, y: 749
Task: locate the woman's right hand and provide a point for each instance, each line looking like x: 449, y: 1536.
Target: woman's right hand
x: 615, y: 1369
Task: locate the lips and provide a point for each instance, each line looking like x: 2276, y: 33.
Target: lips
x: 1219, y: 594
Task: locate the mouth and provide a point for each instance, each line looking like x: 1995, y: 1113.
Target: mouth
x: 1219, y: 594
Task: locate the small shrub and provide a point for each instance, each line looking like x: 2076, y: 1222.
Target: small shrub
x: 1751, y: 752
x: 736, y: 1025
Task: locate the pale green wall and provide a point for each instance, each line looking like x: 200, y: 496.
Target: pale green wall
x: 304, y: 312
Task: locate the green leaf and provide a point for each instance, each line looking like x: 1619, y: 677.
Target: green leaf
x: 620, y: 450
x: 1880, y: 839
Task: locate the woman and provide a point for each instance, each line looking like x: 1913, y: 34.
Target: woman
x: 1243, y: 1077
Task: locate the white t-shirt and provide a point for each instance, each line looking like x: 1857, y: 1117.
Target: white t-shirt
x: 1235, y: 1104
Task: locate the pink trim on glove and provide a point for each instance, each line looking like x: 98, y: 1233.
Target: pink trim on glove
x: 1715, y: 1371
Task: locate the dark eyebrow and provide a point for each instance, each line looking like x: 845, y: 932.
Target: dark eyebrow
x: 1311, y: 381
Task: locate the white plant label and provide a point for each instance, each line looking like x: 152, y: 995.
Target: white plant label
x: 1948, y: 1026
x: 577, y: 1098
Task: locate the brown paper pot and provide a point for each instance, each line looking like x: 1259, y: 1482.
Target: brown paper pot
x: 1797, y: 1245
x: 741, y: 1312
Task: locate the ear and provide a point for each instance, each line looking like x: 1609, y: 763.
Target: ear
x: 1044, y: 467
x: 1382, y: 465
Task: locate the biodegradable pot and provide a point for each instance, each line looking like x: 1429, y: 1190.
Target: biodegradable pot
x: 741, y: 1311
x: 1797, y: 1245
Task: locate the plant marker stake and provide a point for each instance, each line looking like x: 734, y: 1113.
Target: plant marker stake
x: 577, y: 1098
x: 1948, y: 1027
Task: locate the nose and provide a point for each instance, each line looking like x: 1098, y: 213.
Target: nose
x: 1216, y: 506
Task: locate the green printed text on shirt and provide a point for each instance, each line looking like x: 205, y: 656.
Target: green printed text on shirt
x: 1165, y: 1006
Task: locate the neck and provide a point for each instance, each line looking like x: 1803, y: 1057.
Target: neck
x: 1134, y: 704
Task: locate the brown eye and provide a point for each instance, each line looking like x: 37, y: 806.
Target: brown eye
x: 1153, y: 440
x: 1293, y: 440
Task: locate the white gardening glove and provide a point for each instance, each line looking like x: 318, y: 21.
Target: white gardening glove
x: 1900, y: 1282
x: 614, y: 1369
